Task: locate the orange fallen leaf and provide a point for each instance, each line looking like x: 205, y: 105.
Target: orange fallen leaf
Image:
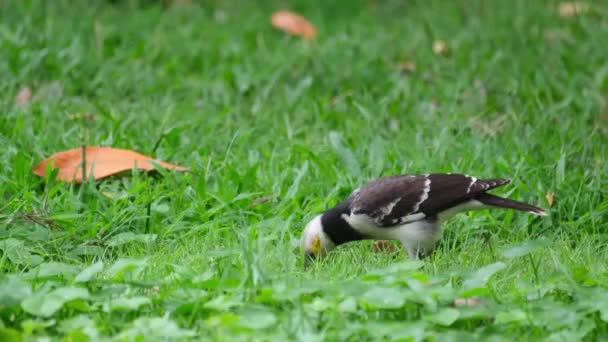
x: 550, y: 198
x: 440, y: 47
x: 105, y: 161
x: 384, y: 246
x: 23, y: 96
x: 293, y: 23
x: 572, y: 9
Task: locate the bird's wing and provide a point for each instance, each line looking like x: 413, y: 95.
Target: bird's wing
x: 400, y: 199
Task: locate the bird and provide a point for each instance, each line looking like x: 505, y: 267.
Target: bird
x: 409, y: 208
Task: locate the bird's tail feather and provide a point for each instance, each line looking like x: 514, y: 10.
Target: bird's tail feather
x: 496, y: 201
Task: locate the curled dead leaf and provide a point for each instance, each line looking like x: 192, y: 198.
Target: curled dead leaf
x: 384, y: 246
x: 261, y: 200
x: 488, y: 127
x: 293, y: 23
x: 440, y: 47
x: 549, y: 197
x: 408, y: 66
x: 468, y: 302
x: 572, y: 9
x: 87, y: 117
x: 24, y: 96
x: 107, y: 194
x: 105, y: 162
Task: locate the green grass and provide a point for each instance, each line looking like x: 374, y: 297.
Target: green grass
x: 258, y: 115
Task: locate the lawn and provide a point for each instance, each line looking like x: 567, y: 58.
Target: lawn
x: 275, y: 129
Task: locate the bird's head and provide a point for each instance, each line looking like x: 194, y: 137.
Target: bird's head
x: 315, y: 241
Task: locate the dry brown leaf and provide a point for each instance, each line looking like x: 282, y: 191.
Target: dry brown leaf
x: 88, y: 117
x: 261, y: 200
x: 490, y: 127
x: 107, y: 161
x: 408, y: 66
x: 550, y: 198
x: 440, y: 47
x: 469, y: 302
x: 572, y: 9
x: 24, y: 96
x: 384, y: 246
x: 293, y: 23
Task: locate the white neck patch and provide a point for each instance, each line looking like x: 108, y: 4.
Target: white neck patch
x: 314, y: 230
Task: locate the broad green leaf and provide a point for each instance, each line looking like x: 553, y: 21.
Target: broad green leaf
x: 483, y: 275
x: 399, y: 268
x: 445, y: 317
x: 184, y: 299
x: 205, y: 276
x: 29, y: 233
x: 18, y: 252
x: 348, y: 305
x: 585, y: 276
x: 565, y: 335
x: 80, y: 325
x: 161, y: 208
x: 154, y: 329
x: 604, y: 314
x: 319, y: 304
x: 124, y: 238
x: 88, y: 273
x: 222, y: 303
x: 406, y: 266
x: 125, y: 265
x: 45, y: 303
x: 78, y: 336
x: 188, y: 294
x: 282, y: 291
x: 222, y: 320
x: 126, y: 304
x: 12, y: 247
x: 524, y: 248
x: 464, y: 336
x: 395, y: 331
x: 31, y: 326
x: 595, y: 298
x: 13, y: 290
x: 52, y: 269
x: 512, y: 316
x: 10, y: 335
x: 85, y: 249
x: 385, y: 297
x: 256, y: 318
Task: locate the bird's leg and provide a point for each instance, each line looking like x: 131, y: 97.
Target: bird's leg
x: 418, y: 251
x: 411, y: 248
x: 412, y: 253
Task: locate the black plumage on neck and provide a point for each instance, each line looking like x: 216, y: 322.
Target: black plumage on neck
x: 336, y: 227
